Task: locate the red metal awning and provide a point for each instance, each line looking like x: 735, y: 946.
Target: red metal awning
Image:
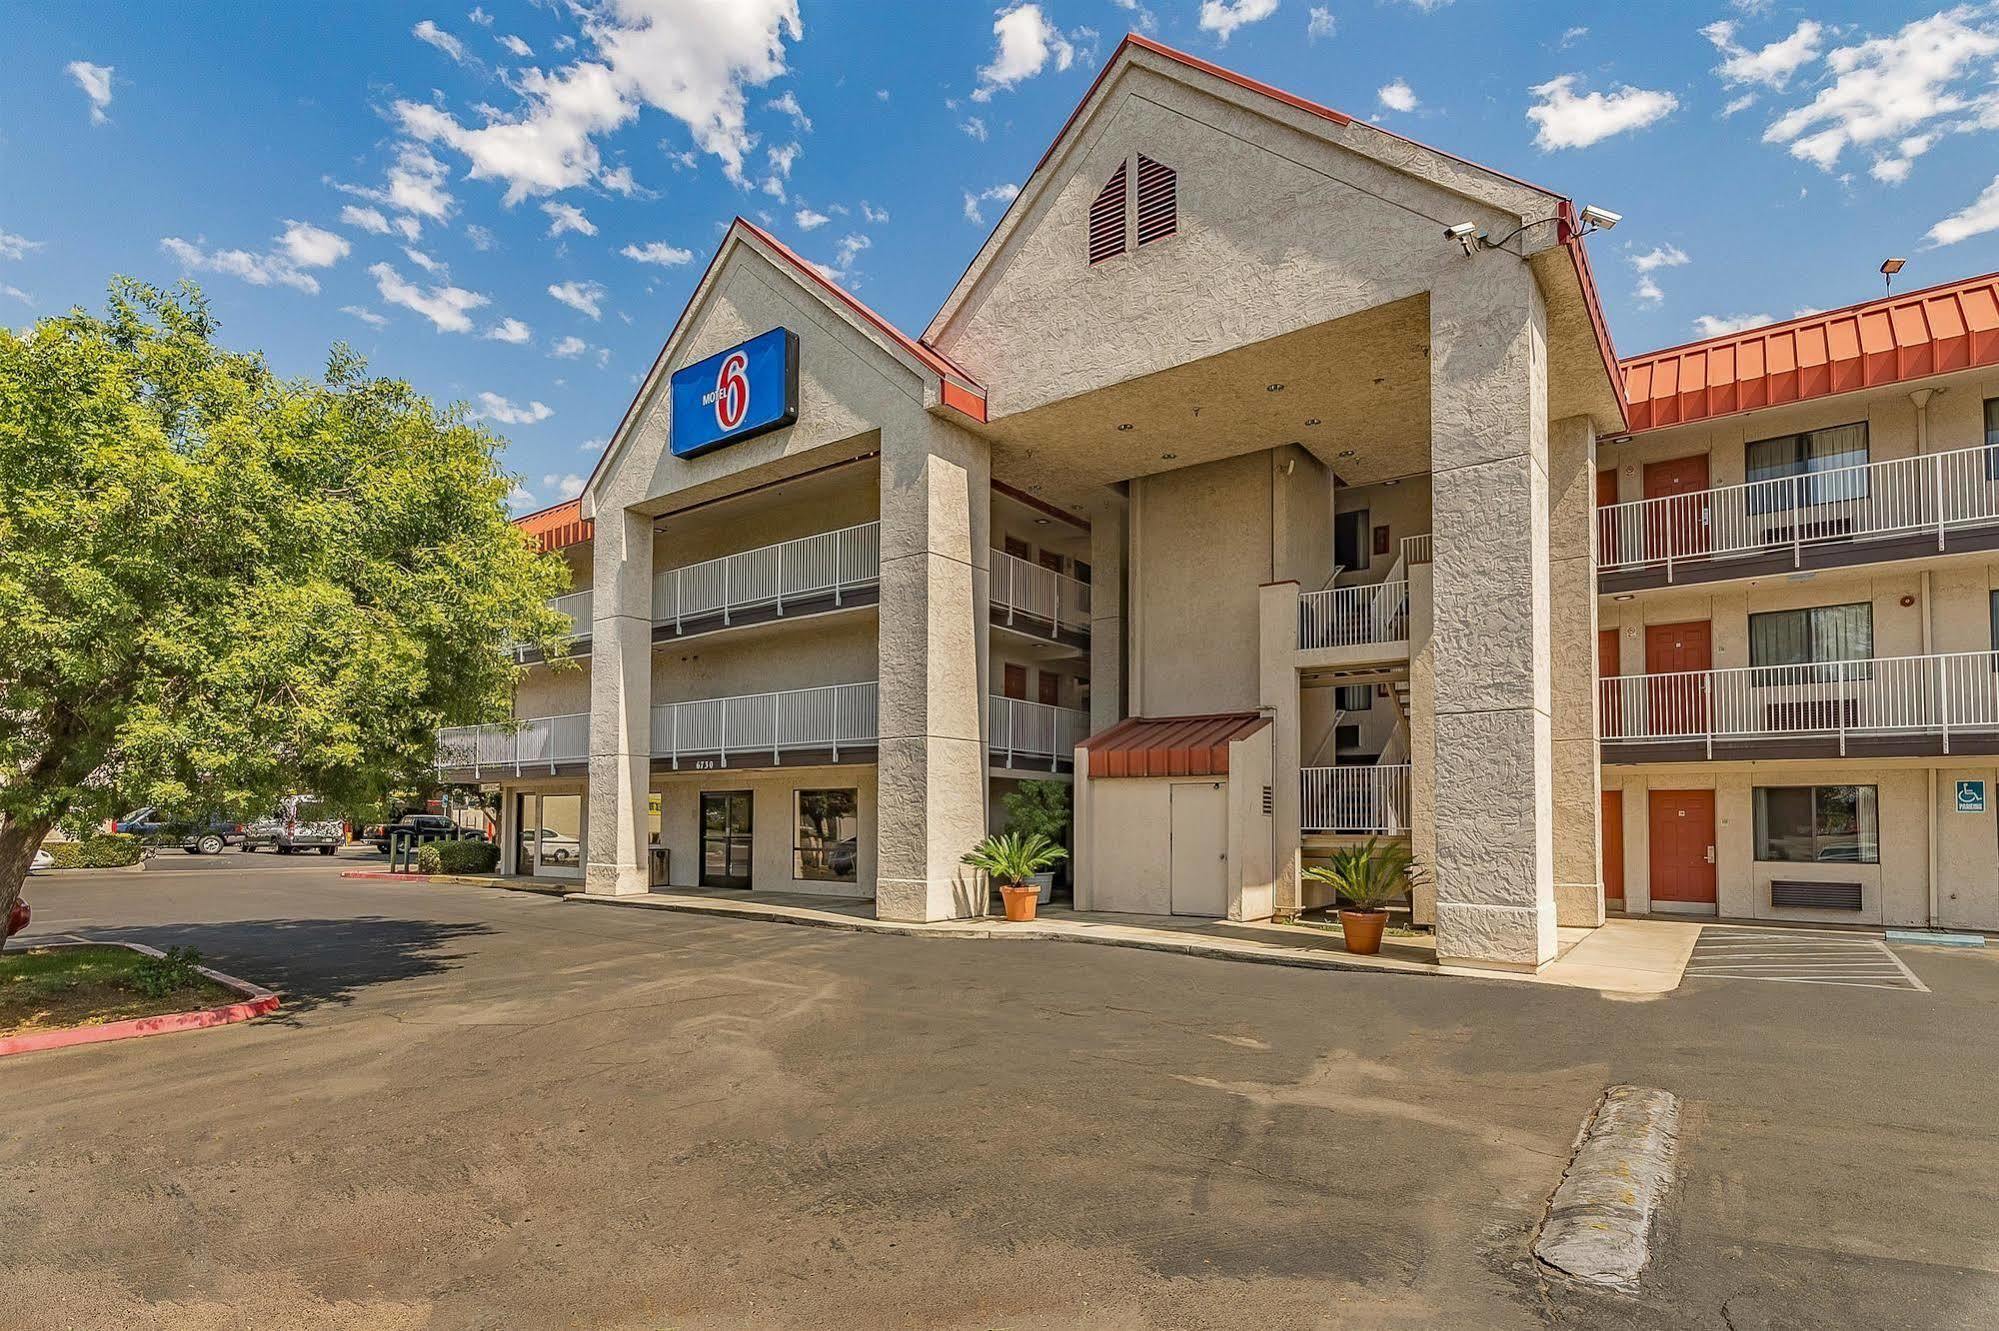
x: 558, y: 527
x: 1170, y: 745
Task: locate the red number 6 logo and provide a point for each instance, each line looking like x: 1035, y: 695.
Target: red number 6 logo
x: 732, y: 391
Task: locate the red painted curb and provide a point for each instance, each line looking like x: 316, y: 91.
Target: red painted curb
x: 257, y: 1001
x: 386, y: 876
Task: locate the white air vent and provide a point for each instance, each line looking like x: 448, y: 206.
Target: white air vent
x: 1158, y: 202
x: 1107, y: 227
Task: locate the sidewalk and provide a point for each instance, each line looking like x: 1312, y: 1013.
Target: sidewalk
x: 1633, y: 958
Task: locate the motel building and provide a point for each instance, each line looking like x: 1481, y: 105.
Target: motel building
x: 1271, y: 479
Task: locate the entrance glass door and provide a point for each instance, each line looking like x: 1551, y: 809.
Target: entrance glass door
x: 548, y: 835
x: 725, y: 838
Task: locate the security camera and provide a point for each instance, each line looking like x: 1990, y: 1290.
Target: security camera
x: 1594, y: 218
x: 1466, y: 234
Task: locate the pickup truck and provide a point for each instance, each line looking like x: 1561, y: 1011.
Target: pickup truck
x: 425, y: 826
x: 289, y: 836
x: 205, y: 835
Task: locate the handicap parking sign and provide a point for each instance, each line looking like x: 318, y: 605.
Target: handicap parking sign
x: 1971, y: 797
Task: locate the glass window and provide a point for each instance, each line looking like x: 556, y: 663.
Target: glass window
x: 1806, y: 637
x: 1813, y: 453
x: 1817, y: 825
x: 1993, y: 615
x: 1354, y: 697
x: 825, y: 846
x: 1992, y: 438
x: 1350, y: 540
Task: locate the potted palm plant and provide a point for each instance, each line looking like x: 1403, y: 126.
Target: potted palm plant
x: 1040, y: 806
x: 1011, y: 860
x: 1364, y: 879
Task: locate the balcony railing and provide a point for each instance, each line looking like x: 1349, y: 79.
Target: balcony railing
x: 1416, y: 550
x: 1941, y: 695
x: 832, y: 718
x: 1020, y: 732
x: 1354, y: 616
x: 1026, y: 596
x: 542, y: 741
x: 1932, y: 492
x: 811, y: 568
x: 1355, y: 800
x: 575, y: 607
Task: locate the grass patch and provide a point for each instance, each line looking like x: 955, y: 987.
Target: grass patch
x: 55, y: 988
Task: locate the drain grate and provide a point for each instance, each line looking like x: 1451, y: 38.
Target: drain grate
x: 1800, y: 956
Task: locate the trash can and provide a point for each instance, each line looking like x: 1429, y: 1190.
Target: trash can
x: 657, y: 859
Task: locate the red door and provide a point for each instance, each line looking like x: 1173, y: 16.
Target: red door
x: 1682, y: 826
x: 1677, y: 527
x: 1050, y: 686
x: 1608, y: 551
x: 1678, y: 703
x: 1612, y: 710
x: 1015, y: 681
x: 1613, y: 845
x: 1051, y: 560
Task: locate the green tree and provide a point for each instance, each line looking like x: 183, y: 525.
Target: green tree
x: 218, y: 586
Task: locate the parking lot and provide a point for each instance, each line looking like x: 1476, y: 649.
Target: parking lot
x: 490, y: 1109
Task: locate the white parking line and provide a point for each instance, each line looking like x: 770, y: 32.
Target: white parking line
x: 1801, y: 957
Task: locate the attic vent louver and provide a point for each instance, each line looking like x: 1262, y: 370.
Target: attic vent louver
x: 1107, y: 233
x: 1158, y: 206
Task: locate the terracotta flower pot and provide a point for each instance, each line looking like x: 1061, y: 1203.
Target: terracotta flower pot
x: 1363, y: 930
x: 1020, y: 900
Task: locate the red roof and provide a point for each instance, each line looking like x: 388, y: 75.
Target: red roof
x: 557, y: 527
x: 1170, y: 745
x: 1891, y: 340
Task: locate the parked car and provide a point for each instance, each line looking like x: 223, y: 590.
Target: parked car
x: 42, y: 860
x: 425, y: 827
x: 288, y: 837
x: 205, y: 835
x: 559, y: 848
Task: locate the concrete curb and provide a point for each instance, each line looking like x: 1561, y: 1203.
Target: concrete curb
x: 461, y: 880
x: 1599, y: 1222
x: 257, y: 1001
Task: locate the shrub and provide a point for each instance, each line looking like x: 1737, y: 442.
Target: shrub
x: 1010, y: 859
x: 1370, y: 876
x: 457, y: 857
x: 156, y: 977
x: 107, y: 850
x: 1039, y: 806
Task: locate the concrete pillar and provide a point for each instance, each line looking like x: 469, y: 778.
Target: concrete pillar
x: 1277, y: 695
x: 620, y: 704
x: 1109, y: 522
x: 936, y: 537
x: 1422, y: 721
x: 1578, y: 867
x: 1489, y: 645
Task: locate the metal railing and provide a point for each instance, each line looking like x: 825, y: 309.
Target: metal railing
x: 829, y: 563
x: 1355, y: 799
x: 1931, y: 492
x: 1942, y: 695
x: 832, y: 717
x: 1416, y: 550
x: 1020, y: 588
x: 541, y: 741
x: 575, y: 607
x: 1354, y: 616
x: 1017, y: 729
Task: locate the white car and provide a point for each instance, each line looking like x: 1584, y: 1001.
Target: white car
x: 42, y: 860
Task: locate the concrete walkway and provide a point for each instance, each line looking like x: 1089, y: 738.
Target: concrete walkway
x: 1635, y: 958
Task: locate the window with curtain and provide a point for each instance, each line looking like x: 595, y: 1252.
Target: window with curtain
x: 1354, y: 697
x: 1811, y: 454
x: 826, y: 837
x: 1817, y: 825
x: 1813, y: 636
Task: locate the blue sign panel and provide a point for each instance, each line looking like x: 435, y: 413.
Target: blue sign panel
x: 1971, y: 797
x: 748, y: 390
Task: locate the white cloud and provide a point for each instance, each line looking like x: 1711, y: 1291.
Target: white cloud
x: 480, y: 17
x: 1720, y: 325
x: 974, y: 203
x: 1322, y: 23
x: 808, y: 220
x: 1771, y: 66
x: 520, y: 499
x: 1027, y: 42
x: 493, y: 407
x: 16, y: 247
x: 975, y: 127
x: 872, y: 215
x: 1397, y: 96
x: 619, y: 180
x: 689, y: 58
x: 1223, y: 17
x: 415, y: 189
x: 1974, y: 219
x: 423, y: 261
x: 365, y: 219
x: 788, y: 103
x: 428, y: 31
x: 308, y: 246
x: 1742, y: 103
x: 1931, y: 73
x: 659, y: 252
x: 260, y: 270
x: 593, y: 445
x: 517, y: 46
x: 95, y: 80
x: 1568, y: 121
x: 569, y: 348
x: 1648, y: 263
x: 849, y: 249
x: 583, y: 297
x: 781, y: 158
x: 482, y: 239
x: 566, y: 486
x: 447, y: 307
x: 1140, y: 15
x: 567, y: 217
x: 16, y: 293
x: 511, y: 331
x: 1570, y: 36
x: 366, y: 316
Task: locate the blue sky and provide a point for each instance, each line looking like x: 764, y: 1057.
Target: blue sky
x: 509, y: 205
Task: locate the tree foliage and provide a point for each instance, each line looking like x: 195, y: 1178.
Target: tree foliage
x: 218, y: 585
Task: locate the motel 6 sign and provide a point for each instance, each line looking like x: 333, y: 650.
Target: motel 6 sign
x: 747, y: 390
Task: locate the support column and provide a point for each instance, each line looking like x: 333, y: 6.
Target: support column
x: 1490, y: 647
x: 936, y: 514
x: 1422, y: 722
x: 1108, y: 524
x: 1277, y: 690
x: 1572, y: 629
x: 620, y: 704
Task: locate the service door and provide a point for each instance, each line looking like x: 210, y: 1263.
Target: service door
x: 1611, y: 843
x: 1200, y: 849
x: 1682, y: 835
x: 1677, y: 527
x: 1677, y: 702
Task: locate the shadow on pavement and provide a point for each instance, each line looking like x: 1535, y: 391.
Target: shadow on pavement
x: 312, y: 962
